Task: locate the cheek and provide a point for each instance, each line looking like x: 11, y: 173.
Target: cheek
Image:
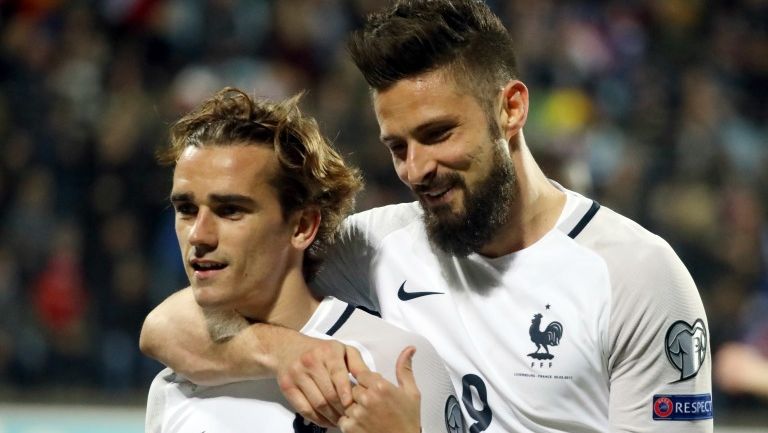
x: 181, y: 235
x: 258, y: 244
x: 400, y: 170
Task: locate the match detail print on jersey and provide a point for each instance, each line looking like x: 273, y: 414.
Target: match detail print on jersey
x: 686, y: 347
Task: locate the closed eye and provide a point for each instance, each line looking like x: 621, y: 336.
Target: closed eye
x: 229, y: 211
x: 396, y: 147
x: 185, y: 209
x: 436, y: 134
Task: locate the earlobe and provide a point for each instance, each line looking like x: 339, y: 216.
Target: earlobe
x: 305, y: 228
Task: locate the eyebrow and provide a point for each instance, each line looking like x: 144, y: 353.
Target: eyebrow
x: 440, y: 122
x: 237, y: 199
x: 181, y: 197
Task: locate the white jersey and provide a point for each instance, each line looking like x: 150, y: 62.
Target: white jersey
x: 176, y: 405
x: 596, y: 327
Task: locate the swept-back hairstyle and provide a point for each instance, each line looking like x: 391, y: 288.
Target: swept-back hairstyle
x: 416, y: 36
x: 311, y: 172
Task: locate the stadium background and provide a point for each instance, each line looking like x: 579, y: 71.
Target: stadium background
x: 656, y: 108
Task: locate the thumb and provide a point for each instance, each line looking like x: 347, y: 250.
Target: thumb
x: 404, y: 369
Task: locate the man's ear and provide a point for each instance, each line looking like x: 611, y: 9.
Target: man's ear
x: 514, y: 108
x: 306, y: 224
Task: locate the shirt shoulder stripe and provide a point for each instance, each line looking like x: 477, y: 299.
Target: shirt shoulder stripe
x: 341, y: 320
x: 584, y: 220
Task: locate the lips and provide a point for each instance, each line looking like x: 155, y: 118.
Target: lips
x: 206, y: 268
x: 436, y: 196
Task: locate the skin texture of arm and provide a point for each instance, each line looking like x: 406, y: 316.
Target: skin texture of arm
x: 312, y: 373
x: 175, y: 334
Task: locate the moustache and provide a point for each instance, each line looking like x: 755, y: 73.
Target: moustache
x: 444, y: 181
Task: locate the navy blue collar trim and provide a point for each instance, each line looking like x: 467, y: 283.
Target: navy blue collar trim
x: 342, y: 320
x: 585, y: 220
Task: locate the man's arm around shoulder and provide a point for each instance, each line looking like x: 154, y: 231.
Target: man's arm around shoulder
x: 312, y: 373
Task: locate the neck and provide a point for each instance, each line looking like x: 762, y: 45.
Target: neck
x: 535, y: 209
x: 292, y: 306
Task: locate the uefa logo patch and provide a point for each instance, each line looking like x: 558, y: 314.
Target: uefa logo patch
x: 687, y: 407
x: 662, y: 407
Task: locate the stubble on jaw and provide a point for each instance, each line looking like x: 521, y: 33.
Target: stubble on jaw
x: 223, y: 324
x: 486, y: 210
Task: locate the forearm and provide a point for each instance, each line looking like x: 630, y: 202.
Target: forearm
x: 175, y: 334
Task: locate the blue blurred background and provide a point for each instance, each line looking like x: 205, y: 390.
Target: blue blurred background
x: 656, y: 108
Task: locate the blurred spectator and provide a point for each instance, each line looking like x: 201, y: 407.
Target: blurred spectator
x: 742, y: 367
x: 655, y: 108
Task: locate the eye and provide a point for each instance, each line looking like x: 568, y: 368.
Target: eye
x: 397, y: 148
x: 229, y: 211
x: 437, y: 135
x: 185, y: 209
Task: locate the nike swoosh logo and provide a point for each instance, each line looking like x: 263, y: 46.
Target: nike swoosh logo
x: 407, y: 296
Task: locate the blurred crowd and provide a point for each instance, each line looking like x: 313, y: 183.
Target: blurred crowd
x: 655, y: 108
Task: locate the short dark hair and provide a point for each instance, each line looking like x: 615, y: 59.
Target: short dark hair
x: 311, y: 172
x: 413, y: 37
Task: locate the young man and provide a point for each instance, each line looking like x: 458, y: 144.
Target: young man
x: 258, y: 193
x: 552, y: 312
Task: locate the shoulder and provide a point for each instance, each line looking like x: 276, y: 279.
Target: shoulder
x: 646, y: 275
x: 384, y: 341
x: 627, y: 246
x: 379, y: 222
x: 370, y: 328
x: 165, y: 376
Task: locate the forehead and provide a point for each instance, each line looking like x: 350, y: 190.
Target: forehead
x: 415, y: 100
x: 233, y: 168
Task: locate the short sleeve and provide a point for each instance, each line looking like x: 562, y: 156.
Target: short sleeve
x: 660, y: 359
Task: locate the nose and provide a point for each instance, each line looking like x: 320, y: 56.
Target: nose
x: 420, y: 165
x: 203, y: 235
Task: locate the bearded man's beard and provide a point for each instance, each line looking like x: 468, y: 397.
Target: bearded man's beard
x: 486, y: 209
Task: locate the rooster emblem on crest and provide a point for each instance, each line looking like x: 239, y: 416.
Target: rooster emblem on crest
x: 550, y: 336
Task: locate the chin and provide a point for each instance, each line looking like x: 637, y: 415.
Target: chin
x: 207, y: 297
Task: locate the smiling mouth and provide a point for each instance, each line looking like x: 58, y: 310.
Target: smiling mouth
x: 436, y: 197
x: 437, y: 194
x: 203, y: 267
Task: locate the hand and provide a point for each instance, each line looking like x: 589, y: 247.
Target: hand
x: 381, y: 407
x: 313, y: 375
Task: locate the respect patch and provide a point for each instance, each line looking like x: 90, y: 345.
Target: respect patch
x: 687, y: 407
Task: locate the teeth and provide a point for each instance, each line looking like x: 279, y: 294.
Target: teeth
x: 436, y: 194
x: 207, y: 266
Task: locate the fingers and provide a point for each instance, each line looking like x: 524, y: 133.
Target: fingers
x: 312, y: 382
x: 371, y: 380
x: 355, y: 361
x: 340, y: 371
x: 296, y: 397
x: 404, y: 369
x: 361, y: 397
x: 349, y: 423
x: 318, y: 390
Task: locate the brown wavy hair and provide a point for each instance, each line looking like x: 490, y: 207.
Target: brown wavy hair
x: 311, y: 173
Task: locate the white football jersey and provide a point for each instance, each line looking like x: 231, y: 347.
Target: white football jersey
x: 596, y: 327
x: 176, y: 405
